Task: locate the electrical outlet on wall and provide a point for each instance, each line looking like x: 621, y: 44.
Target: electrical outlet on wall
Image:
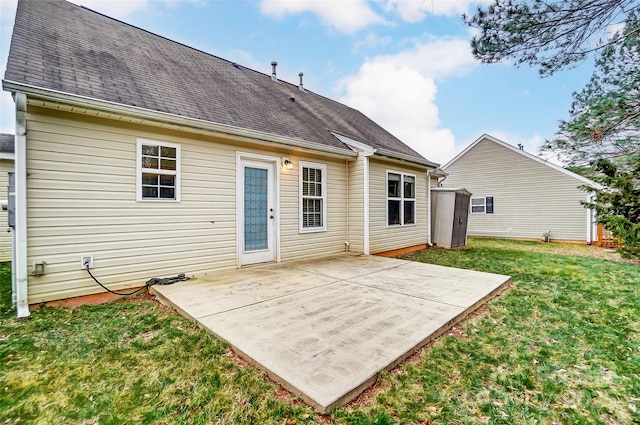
x: 86, y: 260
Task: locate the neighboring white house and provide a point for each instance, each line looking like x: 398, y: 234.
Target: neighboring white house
x: 518, y: 195
x: 155, y: 159
x: 6, y: 165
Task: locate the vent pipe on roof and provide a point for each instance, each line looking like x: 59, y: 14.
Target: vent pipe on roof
x: 301, y: 87
x: 274, y: 76
x: 520, y: 146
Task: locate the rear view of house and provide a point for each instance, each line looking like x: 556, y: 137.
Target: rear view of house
x: 148, y: 158
x: 519, y: 195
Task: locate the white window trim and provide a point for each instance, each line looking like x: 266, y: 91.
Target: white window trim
x: 323, y: 167
x: 484, y: 205
x: 401, y: 199
x: 139, y: 169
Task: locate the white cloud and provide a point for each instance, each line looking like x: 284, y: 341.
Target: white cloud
x: 345, y: 16
x: 399, y: 92
x: 401, y: 100
x: 7, y: 108
x: 416, y: 10
x: 614, y: 29
x: 121, y: 9
x: 116, y: 9
x: 436, y: 58
x: 371, y: 41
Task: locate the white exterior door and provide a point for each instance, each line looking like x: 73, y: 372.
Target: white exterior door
x: 256, y: 210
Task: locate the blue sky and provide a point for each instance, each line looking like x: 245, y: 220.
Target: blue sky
x: 406, y: 64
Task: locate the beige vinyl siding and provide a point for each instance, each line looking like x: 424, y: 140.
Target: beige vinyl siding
x: 387, y: 238
x: 6, y: 165
x: 295, y: 245
x: 529, y: 198
x: 81, y: 192
x: 81, y: 199
x: 356, y: 205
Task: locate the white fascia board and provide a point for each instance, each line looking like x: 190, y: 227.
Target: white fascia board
x: 355, y: 145
x: 178, y: 120
x: 461, y: 190
x: 9, y: 156
x: 526, y: 155
x: 403, y: 158
x: 369, y: 150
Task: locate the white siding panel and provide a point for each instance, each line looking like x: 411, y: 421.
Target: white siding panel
x: 5, y: 233
x: 529, y: 198
x: 387, y: 238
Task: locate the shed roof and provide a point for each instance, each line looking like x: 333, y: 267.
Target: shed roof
x: 59, y: 46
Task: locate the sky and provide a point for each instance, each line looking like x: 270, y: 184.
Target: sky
x: 406, y: 64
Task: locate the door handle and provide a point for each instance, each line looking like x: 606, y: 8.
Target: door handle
x: 271, y: 216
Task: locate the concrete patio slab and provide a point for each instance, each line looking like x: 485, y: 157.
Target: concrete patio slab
x: 325, y: 328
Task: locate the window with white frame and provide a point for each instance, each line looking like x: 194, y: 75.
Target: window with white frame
x: 313, y: 196
x: 401, y: 199
x: 158, y: 171
x: 482, y: 205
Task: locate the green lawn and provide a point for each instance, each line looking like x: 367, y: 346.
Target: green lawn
x: 561, y: 346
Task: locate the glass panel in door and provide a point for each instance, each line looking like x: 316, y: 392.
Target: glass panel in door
x: 256, y: 231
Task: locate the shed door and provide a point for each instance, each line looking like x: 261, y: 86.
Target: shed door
x: 460, y: 216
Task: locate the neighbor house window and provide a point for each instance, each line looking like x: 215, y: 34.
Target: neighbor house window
x: 482, y: 205
x: 401, y: 199
x: 158, y: 171
x: 313, y: 197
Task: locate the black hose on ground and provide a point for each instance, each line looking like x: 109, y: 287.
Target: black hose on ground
x: 153, y: 281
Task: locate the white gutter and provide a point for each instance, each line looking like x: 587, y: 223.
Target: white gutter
x: 406, y: 158
x: 173, y: 119
x: 9, y: 156
x: 20, y: 247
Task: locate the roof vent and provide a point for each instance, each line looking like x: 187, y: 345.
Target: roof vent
x: 301, y: 87
x: 293, y: 97
x: 274, y: 76
x: 520, y: 146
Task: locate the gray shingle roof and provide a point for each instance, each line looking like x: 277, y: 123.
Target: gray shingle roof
x: 58, y: 45
x: 6, y: 143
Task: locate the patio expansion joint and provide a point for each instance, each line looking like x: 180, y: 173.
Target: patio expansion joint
x: 266, y: 300
x: 405, y: 294
x: 350, y: 277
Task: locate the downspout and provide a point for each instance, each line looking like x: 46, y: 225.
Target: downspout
x: 590, y: 221
x: 346, y: 174
x: 20, y: 247
x: 366, y: 205
x: 429, y: 227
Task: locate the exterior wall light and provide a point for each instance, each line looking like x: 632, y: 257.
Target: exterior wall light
x: 287, y: 164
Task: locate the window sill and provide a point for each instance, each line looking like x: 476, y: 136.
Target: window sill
x: 162, y: 201
x: 318, y: 230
